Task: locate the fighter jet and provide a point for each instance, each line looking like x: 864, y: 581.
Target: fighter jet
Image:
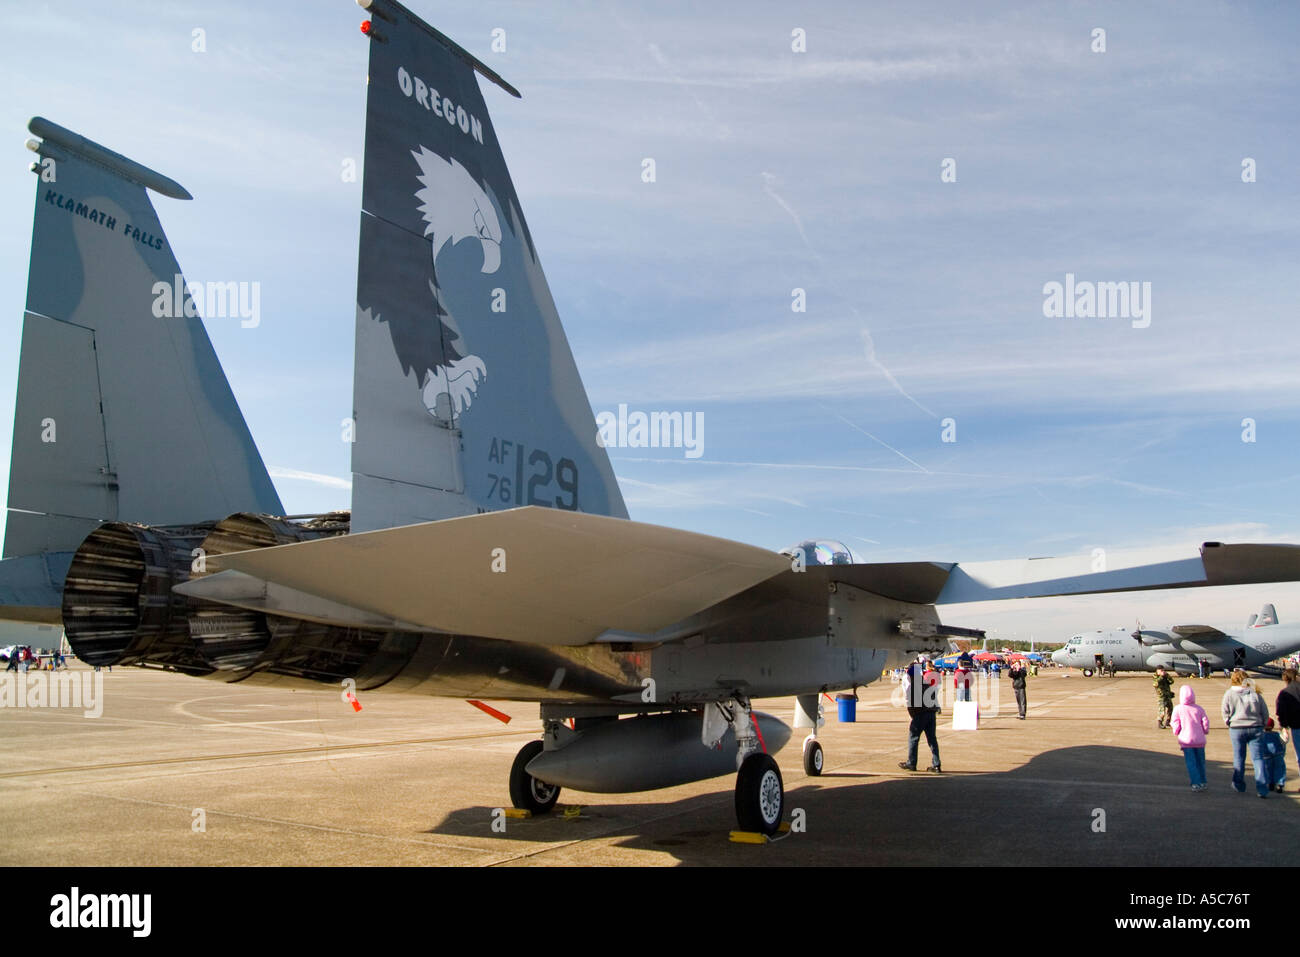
x: 488, y: 553
x: 1183, y: 648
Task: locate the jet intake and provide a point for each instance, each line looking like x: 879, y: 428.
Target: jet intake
x: 647, y: 752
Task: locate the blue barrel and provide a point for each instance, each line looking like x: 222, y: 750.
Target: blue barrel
x: 848, y: 706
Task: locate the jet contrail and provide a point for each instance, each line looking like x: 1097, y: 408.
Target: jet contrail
x: 690, y: 496
x: 858, y: 428
x: 768, y: 181
x: 795, y: 466
x: 329, y: 481
x: 870, y: 345
x: 723, y: 130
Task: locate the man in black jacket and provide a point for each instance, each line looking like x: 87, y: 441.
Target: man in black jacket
x: 923, y: 706
x: 1287, y: 708
x: 1019, y: 676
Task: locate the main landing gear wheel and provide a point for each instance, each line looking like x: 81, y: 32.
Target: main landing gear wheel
x: 760, y: 795
x: 812, y: 758
x: 526, y: 792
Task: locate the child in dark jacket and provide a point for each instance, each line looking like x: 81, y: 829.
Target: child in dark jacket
x: 1274, y: 749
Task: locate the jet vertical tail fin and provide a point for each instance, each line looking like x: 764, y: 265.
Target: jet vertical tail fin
x: 466, y: 394
x: 123, y: 412
x: 1267, y: 616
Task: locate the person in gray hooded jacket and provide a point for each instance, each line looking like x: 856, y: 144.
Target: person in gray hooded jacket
x: 1245, y: 713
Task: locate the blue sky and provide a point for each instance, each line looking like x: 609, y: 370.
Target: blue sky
x: 775, y: 170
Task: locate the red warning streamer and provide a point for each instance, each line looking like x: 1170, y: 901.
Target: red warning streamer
x: 487, y: 709
x: 758, y: 731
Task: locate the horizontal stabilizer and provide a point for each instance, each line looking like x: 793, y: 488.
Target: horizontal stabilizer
x: 537, y: 575
x: 246, y: 591
x: 31, y: 587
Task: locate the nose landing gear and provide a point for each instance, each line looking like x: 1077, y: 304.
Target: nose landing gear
x: 812, y: 757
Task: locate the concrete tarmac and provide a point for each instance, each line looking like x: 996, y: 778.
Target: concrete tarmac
x: 182, y: 770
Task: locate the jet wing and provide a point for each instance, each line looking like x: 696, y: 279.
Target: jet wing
x: 1216, y: 564
x: 1197, y: 631
x: 538, y: 575
x: 946, y: 583
x: 940, y: 583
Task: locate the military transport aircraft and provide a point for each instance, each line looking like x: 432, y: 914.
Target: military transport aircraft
x: 1182, y: 648
x: 488, y: 552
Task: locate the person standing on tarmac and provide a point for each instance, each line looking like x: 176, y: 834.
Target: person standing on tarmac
x: 1274, y: 750
x: 963, y: 678
x: 1190, y: 723
x: 1164, y: 685
x: 923, y: 707
x: 1019, y: 676
x: 1287, y: 709
x: 1245, y: 713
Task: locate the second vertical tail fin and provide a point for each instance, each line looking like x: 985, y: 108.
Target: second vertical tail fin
x: 123, y: 412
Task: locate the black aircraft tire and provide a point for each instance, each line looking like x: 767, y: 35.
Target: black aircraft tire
x: 526, y: 792
x: 813, y: 759
x: 1087, y: 672
x: 760, y: 795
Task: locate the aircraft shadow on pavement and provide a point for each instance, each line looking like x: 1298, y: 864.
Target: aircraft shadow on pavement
x: 1088, y: 805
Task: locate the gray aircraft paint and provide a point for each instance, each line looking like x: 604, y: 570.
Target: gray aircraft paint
x: 31, y: 586
x: 1249, y: 647
x: 146, y: 428
x: 441, y: 230
x: 610, y: 757
x: 443, y: 237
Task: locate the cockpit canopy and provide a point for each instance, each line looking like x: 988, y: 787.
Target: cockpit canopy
x: 822, y: 551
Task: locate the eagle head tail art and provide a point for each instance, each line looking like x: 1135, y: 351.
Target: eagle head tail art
x: 454, y: 207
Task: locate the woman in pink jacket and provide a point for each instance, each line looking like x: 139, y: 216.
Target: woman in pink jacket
x: 1190, y: 722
